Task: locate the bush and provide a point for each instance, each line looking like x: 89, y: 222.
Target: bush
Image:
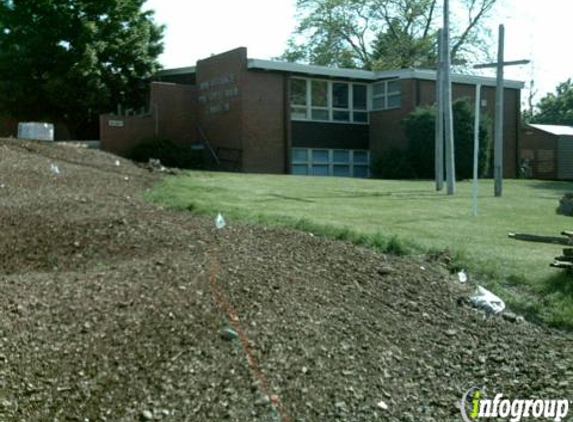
x: 420, y: 132
x: 169, y: 153
x: 392, y: 164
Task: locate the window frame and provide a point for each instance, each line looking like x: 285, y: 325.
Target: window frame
x: 386, y: 95
x: 330, y: 106
x: 331, y: 163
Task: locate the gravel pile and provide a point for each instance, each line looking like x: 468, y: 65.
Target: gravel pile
x: 113, y: 309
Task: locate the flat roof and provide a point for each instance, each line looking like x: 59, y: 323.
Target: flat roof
x: 177, y: 71
x: 355, y: 74
x: 423, y: 74
x: 558, y: 130
x: 306, y: 69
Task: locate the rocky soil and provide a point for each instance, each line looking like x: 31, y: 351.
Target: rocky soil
x: 113, y: 309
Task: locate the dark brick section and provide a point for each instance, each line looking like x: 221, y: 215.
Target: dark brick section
x: 263, y: 123
x: 172, y: 115
x: 387, y: 130
x: 329, y: 135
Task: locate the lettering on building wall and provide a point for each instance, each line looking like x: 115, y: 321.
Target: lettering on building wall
x: 115, y: 123
x: 215, y: 93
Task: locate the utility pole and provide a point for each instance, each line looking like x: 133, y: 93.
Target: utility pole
x: 448, y: 115
x: 476, y: 148
x: 498, y: 140
x: 439, y: 142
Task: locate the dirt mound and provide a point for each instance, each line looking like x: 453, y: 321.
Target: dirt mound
x: 113, y: 309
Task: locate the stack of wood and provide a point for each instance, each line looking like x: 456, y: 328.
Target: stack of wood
x: 564, y: 261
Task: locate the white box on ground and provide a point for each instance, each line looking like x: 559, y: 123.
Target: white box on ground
x: 36, y: 130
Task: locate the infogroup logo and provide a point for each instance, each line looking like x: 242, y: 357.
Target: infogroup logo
x: 474, y: 407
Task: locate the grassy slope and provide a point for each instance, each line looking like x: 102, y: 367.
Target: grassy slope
x: 373, y: 211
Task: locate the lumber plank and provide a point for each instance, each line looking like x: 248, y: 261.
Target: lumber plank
x: 541, y: 239
x: 564, y: 265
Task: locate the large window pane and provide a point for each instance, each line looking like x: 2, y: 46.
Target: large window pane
x: 340, y: 95
x: 320, y: 156
x: 379, y: 103
x: 299, y: 155
x: 320, y: 170
x: 341, y: 116
x: 319, y: 114
x: 379, y: 89
x: 298, y: 92
x: 298, y: 113
x: 341, y: 170
x: 300, y: 169
x: 394, y: 101
x: 394, y: 87
x: 360, y: 157
x: 359, y: 97
x: 341, y: 156
x: 319, y: 93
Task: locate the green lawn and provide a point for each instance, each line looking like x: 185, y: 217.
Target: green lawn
x: 409, y: 216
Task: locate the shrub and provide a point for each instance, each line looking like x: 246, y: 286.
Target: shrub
x: 169, y: 153
x: 392, y: 164
x: 420, y: 132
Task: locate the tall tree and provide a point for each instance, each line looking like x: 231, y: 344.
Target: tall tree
x: 69, y: 60
x: 556, y: 109
x: 382, y: 34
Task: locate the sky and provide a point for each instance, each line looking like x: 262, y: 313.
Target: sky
x: 535, y: 30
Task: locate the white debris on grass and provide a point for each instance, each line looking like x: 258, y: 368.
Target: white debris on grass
x: 54, y: 168
x: 220, y: 222
x: 486, y: 300
x: 462, y: 276
x: 382, y: 405
x: 117, y: 163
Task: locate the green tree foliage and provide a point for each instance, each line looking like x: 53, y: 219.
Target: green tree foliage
x: 69, y: 60
x: 420, y: 132
x: 383, y: 34
x: 417, y: 160
x: 555, y: 109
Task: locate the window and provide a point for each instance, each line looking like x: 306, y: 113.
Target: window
x: 319, y: 96
x: 387, y: 95
x: 330, y: 162
x: 298, y: 98
x: 340, y: 97
x: 360, y: 103
x: 327, y: 101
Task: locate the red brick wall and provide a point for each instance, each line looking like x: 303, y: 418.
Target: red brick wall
x: 172, y: 115
x: 219, y: 110
x: 243, y: 110
x: 387, y: 131
x: 264, y: 136
x: 121, y: 140
x: 175, y: 106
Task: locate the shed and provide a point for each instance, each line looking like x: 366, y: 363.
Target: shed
x: 547, y: 152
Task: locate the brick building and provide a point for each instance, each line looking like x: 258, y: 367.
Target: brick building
x: 266, y: 116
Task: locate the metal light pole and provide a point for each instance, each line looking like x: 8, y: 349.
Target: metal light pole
x: 448, y: 116
x: 439, y: 142
x: 476, y: 147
